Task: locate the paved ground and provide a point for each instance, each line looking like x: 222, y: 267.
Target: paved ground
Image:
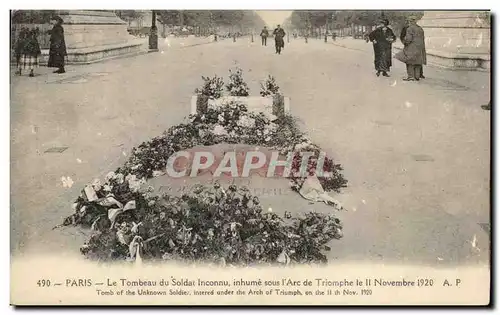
x: 416, y: 154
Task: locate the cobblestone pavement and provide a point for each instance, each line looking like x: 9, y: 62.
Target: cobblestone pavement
x: 416, y: 154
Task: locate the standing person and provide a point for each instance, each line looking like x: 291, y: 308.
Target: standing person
x: 57, y: 51
x: 31, y: 51
x: 264, y: 34
x: 382, y: 38
x: 402, y: 38
x: 413, y: 53
x: 18, y: 49
x: 279, y: 34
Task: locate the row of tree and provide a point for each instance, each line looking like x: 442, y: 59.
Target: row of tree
x: 309, y: 20
x: 243, y: 19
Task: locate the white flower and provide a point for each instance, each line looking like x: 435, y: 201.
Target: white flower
x: 267, y: 139
x: 110, y: 176
x: 135, y: 167
x: 67, y: 182
x: 135, y: 185
x: 119, y: 178
x: 269, y: 116
x: 302, y: 145
x: 202, y: 133
x: 272, y: 127
x: 219, y: 131
x: 220, y: 118
x: 246, y: 121
x: 158, y: 173
x: 107, y: 187
x: 131, y: 177
x: 96, y: 184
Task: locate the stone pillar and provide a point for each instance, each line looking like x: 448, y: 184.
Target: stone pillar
x: 457, y: 39
x: 93, y: 36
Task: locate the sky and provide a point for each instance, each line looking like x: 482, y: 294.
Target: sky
x: 272, y: 18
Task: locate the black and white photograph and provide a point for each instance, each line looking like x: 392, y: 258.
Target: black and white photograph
x: 250, y: 157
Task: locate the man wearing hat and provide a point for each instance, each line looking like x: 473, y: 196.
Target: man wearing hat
x: 413, y: 53
x: 264, y: 34
x: 57, y: 51
x: 279, y: 35
x: 402, y: 38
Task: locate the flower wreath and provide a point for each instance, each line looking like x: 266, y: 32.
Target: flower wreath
x: 208, y: 224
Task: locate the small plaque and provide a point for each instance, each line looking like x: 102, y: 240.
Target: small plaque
x: 253, y: 103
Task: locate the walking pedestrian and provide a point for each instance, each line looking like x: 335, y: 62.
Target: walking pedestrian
x: 57, y: 51
x: 263, y: 35
x: 279, y: 34
x: 382, y: 38
x: 401, y: 37
x: 413, y: 53
x: 18, y: 49
x: 30, y: 52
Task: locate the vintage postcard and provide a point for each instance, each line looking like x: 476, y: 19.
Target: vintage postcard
x: 239, y: 157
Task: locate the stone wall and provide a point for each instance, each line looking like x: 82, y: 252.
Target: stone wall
x: 93, y: 36
x: 457, y: 39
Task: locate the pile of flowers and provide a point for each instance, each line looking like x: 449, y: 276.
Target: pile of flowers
x: 209, y: 224
x: 212, y: 225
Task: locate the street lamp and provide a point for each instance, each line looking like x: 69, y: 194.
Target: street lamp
x: 153, y: 36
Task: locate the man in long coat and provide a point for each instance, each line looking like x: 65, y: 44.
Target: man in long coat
x: 57, y: 51
x: 402, y: 38
x: 264, y: 34
x: 382, y: 38
x: 413, y: 53
x: 279, y: 35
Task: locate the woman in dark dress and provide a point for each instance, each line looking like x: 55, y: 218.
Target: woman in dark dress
x: 382, y: 38
x: 31, y: 52
x: 57, y: 51
x: 19, y: 47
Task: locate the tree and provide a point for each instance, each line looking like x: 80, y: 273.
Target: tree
x: 345, y: 18
x: 31, y: 16
x: 169, y: 17
x: 128, y: 15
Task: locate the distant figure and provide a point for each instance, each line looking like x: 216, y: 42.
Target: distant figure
x: 402, y: 37
x: 382, y: 38
x: 263, y: 35
x: 18, y: 49
x: 334, y: 36
x: 279, y: 34
x: 413, y: 53
x: 31, y: 51
x: 57, y: 51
